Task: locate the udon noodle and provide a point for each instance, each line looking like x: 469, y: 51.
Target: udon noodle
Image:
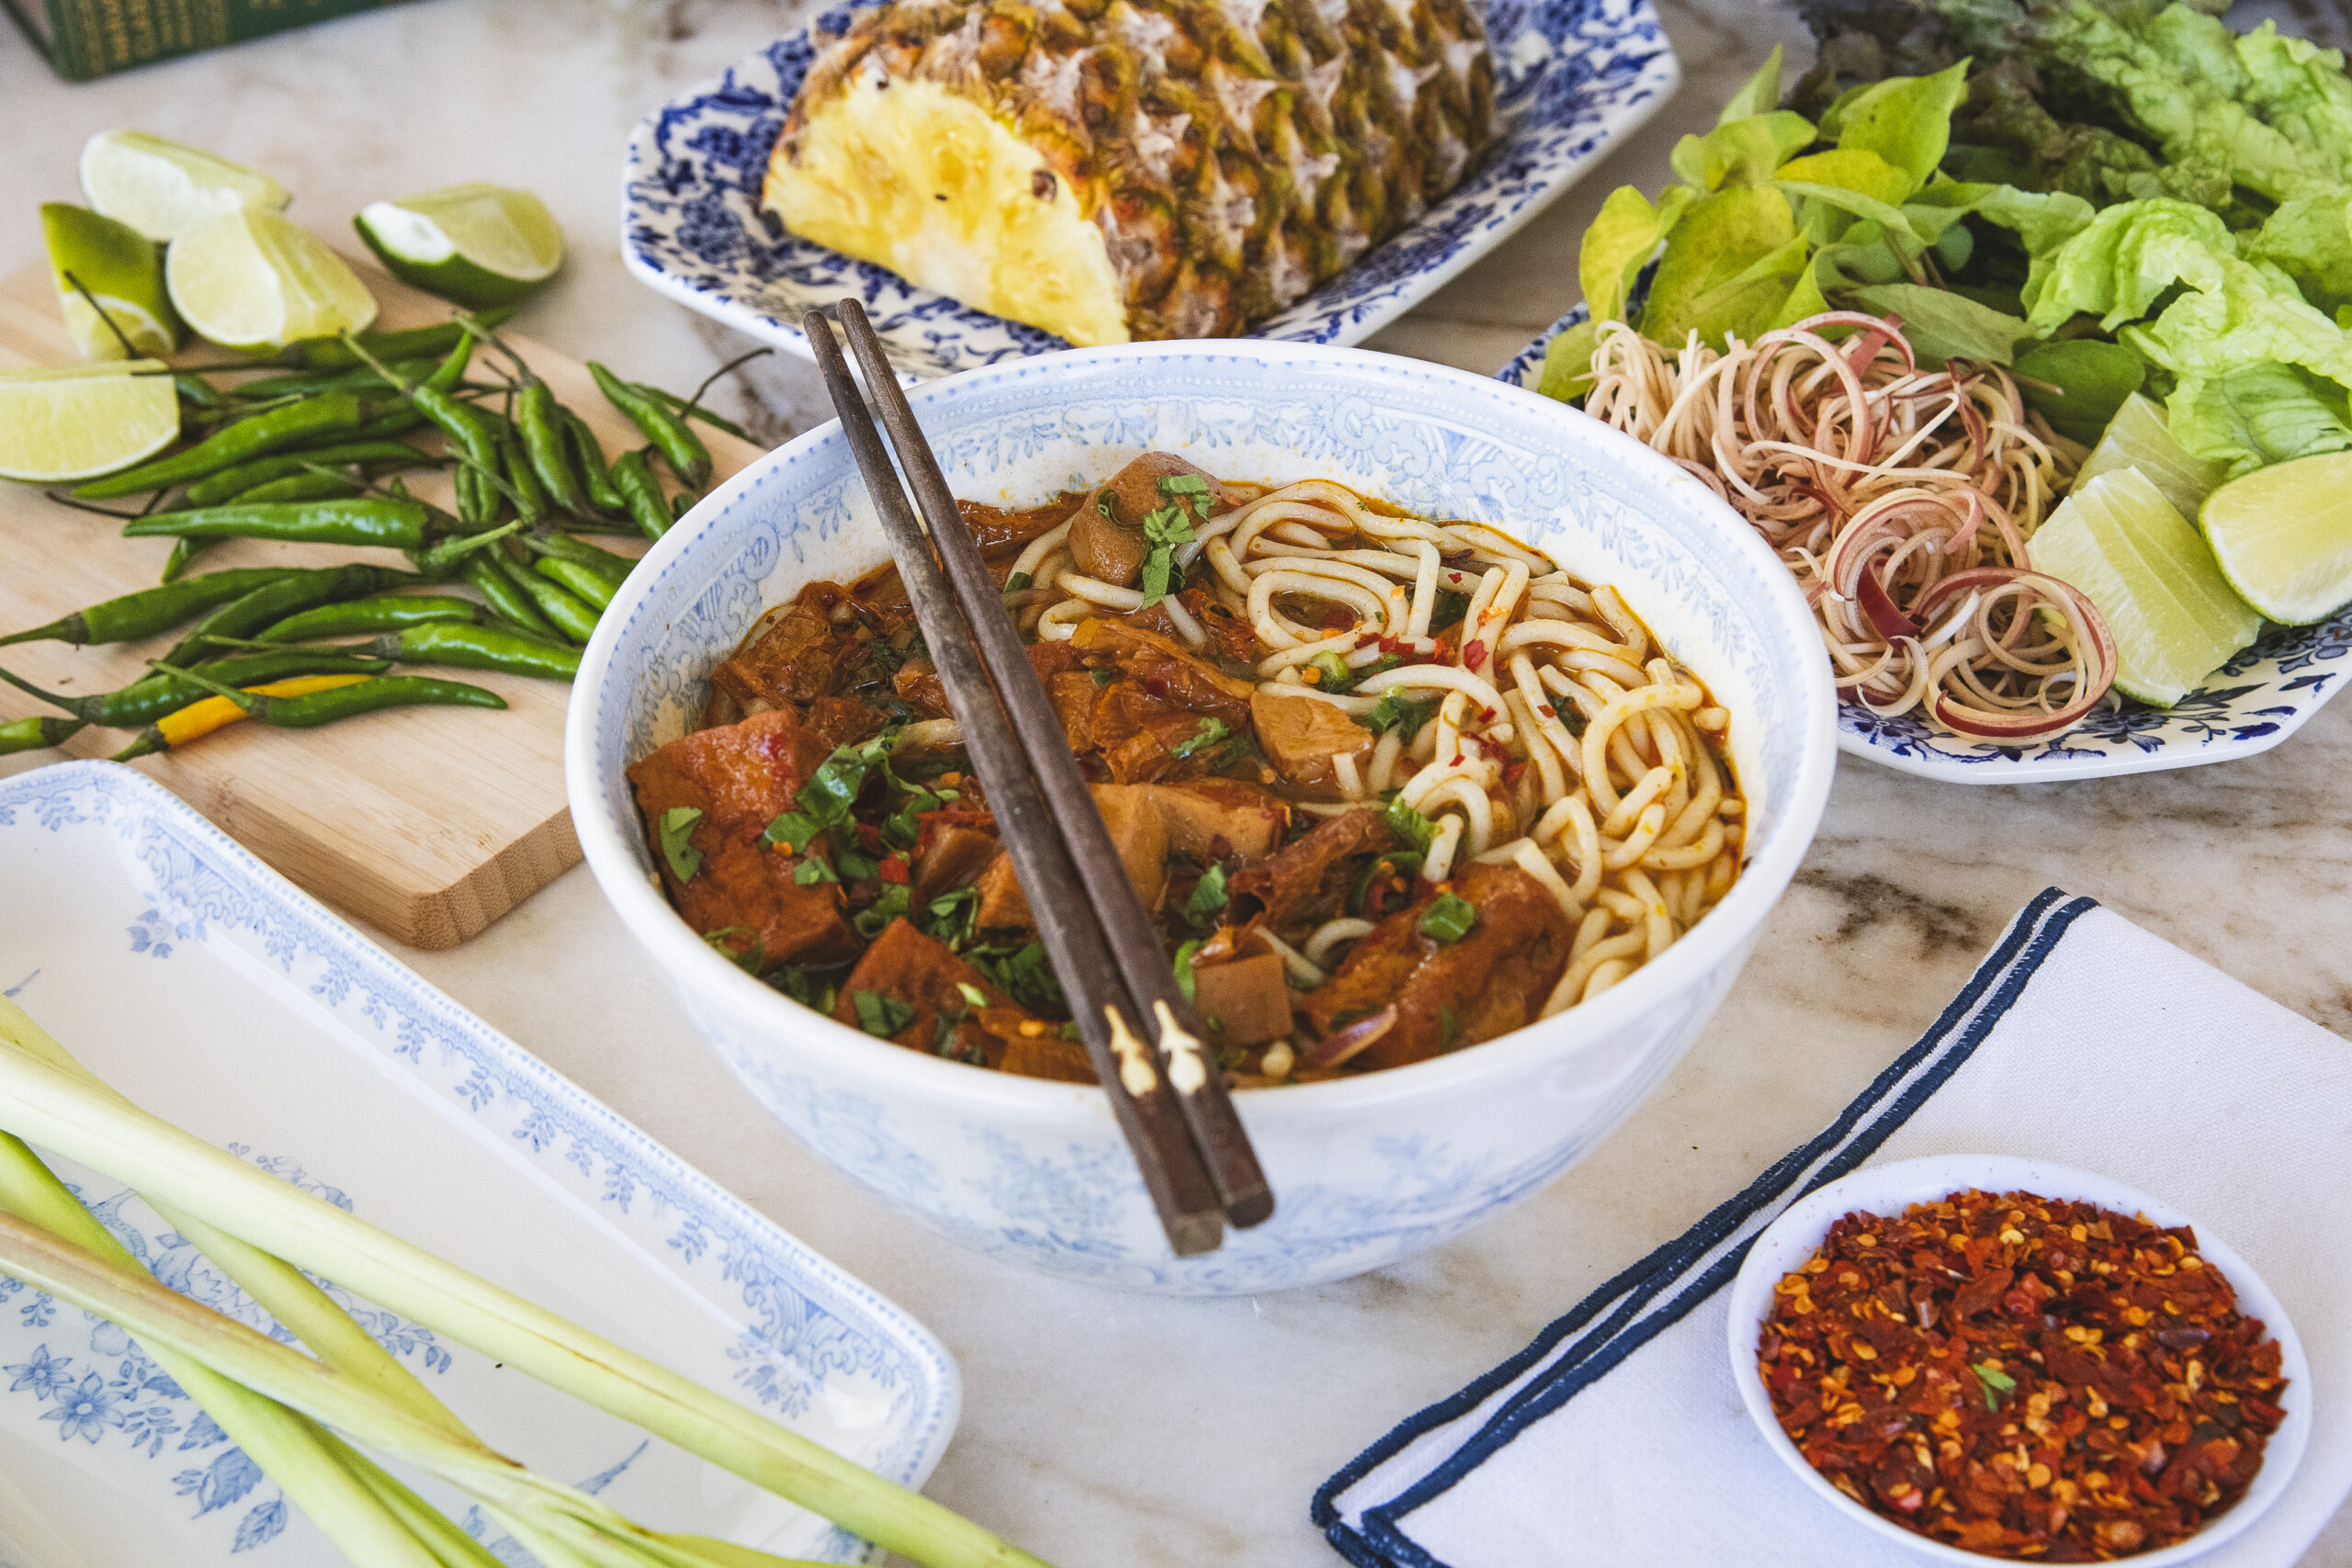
x: 1497, y: 736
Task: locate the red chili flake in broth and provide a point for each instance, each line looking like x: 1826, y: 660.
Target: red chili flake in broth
x: 2023, y: 1377
x: 1473, y: 656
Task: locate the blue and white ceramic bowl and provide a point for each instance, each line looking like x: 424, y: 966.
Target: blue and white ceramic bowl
x: 2256, y: 700
x: 1365, y: 1169
x: 1572, y: 76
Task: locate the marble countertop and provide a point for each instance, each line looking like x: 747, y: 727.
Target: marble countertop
x: 1108, y: 1429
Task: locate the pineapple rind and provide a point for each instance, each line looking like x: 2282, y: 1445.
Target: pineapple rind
x: 910, y: 176
x: 1231, y: 154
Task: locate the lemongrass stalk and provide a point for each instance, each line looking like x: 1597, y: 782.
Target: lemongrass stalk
x: 290, y: 1450
x: 277, y: 1287
x: 559, y: 1524
x: 450, y: 1546
x: 58, y: 1111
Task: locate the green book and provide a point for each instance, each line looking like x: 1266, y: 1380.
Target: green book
x: 94, y: 38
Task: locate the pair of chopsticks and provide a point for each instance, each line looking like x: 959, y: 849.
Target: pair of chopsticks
x: 1167, y: 1094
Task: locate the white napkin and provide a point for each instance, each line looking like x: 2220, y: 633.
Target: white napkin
x: 1617, y: 1438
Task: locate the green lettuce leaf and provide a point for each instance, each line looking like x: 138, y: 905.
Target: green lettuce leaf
x: 2042, y: 222
x: 1734, y: 257
x: 2258, y: 415
x: 1904, y: 120
x: 1941, y: 325
x: 2309, y: 240
x: 1623, y: 238
x: 1761, y: 94
x: 2091, y: 379
x: 2115, y: 267
x: 1744, y: 153
x: 1567, y: 363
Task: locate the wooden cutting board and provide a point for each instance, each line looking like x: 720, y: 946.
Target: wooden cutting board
x: 428, y: 823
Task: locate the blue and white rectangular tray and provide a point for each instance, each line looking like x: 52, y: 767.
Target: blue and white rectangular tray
x: 1571, y: 75
x: 211, y: 990
x: 2261, y: 696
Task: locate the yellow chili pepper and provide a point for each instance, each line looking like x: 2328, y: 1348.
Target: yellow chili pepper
x: 201, y: 718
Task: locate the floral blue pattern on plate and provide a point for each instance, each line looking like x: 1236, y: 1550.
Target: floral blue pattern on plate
x: 2256, y: 700
x: 209, y: 989
x: 1573, y: 76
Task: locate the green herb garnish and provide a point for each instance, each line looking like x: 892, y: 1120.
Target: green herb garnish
x: 1449, y: 918
x: 1167, y: 527
x: 869, y: 921
x: 1022, y: 974
x: 1409, y: 825
x: 974, y: 997
x: 1995, y: 1381
x: 677, y: 824
x: 1401, y: 714
x: 810, y: 871
x: 880, y: 1016
x: 1184, y: 980
x: 1209, y: 897
x: 948, y: 918
x: 1337, y: 676
x: 1210, y: 732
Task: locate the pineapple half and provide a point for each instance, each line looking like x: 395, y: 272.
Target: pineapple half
x: 1134, y: 169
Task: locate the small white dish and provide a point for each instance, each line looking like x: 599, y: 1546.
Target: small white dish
x: 1793, y: 1238
x: 1571, y: 75
x: 212, y: 991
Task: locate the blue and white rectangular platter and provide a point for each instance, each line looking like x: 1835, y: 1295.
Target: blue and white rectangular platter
x: 211, y: 990
x: 2261, y: 696
x: 1571, y: 76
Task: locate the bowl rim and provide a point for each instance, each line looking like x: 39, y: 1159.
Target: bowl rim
x: 1720, y: 936
x: 1800, y: 1228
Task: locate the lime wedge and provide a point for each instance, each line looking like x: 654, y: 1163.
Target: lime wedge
x: 2283, y: 536
x: 2175, y: 620
x: 122, y: 270
x: 478, y: 244
x: 76, y: 422
x: 249, y: 279
x: 163, y: 188
x: 2140, y: 437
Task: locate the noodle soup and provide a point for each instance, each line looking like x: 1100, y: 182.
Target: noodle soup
x: 1392, y: 787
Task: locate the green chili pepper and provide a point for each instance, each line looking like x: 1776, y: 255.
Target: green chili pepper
x: 613, y: 568
x: 297, y: 487
x: 1448, y: 919
x: 573, y: 617
x: 530, y: 500
x: 271, y: 602
x: 538, y: 419
x: 415, y: 343
x: 235, y: 481
x: 315, y: 708
x: 399, y: 422
x: 146, y: 700
x: 686, y: 409
x: 682, y: 503
x: 34, y: 734
x: 198, y: 392
x: 363, y: 520
x: 472, y: 432
x: 444, y: 559
x: 477, y: 647
x: 594, y: 476
x: 679, y: 446
x: 183, y: 552
x: 357, y: 379
x: 633, y: 477
x: 329, y: 414
x: 482, y: 574
x: 584, y: 581
x: 1400, y: 862
x: 154, y: 610
x: 354, y: 616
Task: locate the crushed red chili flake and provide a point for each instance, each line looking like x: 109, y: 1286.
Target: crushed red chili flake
x: 2024, y: 1377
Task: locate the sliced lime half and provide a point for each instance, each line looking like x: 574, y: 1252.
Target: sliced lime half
x: 76, y: 422
x: 163, y: 188
x: 2140, y: 437
x: 249, y: 279
x: 124, y: 274
x: 478, y: 244
x: 2175, y: 620
x: 2283, y: 536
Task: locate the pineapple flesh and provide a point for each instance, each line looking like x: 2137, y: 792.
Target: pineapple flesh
x: 1136, y: 168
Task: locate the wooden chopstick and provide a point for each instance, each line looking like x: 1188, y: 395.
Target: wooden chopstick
x: 1182, y: 1193
x: 1199, y: 1086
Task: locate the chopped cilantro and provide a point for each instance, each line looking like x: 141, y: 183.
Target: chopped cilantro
x: 808, y: 987
x: 1402, y: 862
x: 1016, y: 582
x: 1209, y: 897
x: 1022, y: 974
x: 1167, y: 527
x: 1210, y: 732
x: 1449, y: 608
x: 1400, y: 714
x: 826, y: 800
x: 949, y: 917
x: 1449, y: 1028
x: 677, y: 824
x: 974, y: 997
x: 855, y: 865
x: 1103, y: 678
x: 1411, y: 825
x: 880, y: 1016
x: 750, y: 960
x: 942, y: 1036
x: 810, y: 871
x: 868, y: 922
x: 1995, y: 1381
x: 1449, y: 918
x: 1184, y: 980
x: 1071, y: 1032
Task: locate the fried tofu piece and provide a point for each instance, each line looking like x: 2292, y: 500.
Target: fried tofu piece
x: 1137, y: 833
x: 927, y: 980
x: 1303, y: 736
x: 1246, y: 1002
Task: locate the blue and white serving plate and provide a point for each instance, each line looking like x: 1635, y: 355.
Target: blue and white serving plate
x: 1572, y: 76
x: 2256, y: 700
x: 209, y: 989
